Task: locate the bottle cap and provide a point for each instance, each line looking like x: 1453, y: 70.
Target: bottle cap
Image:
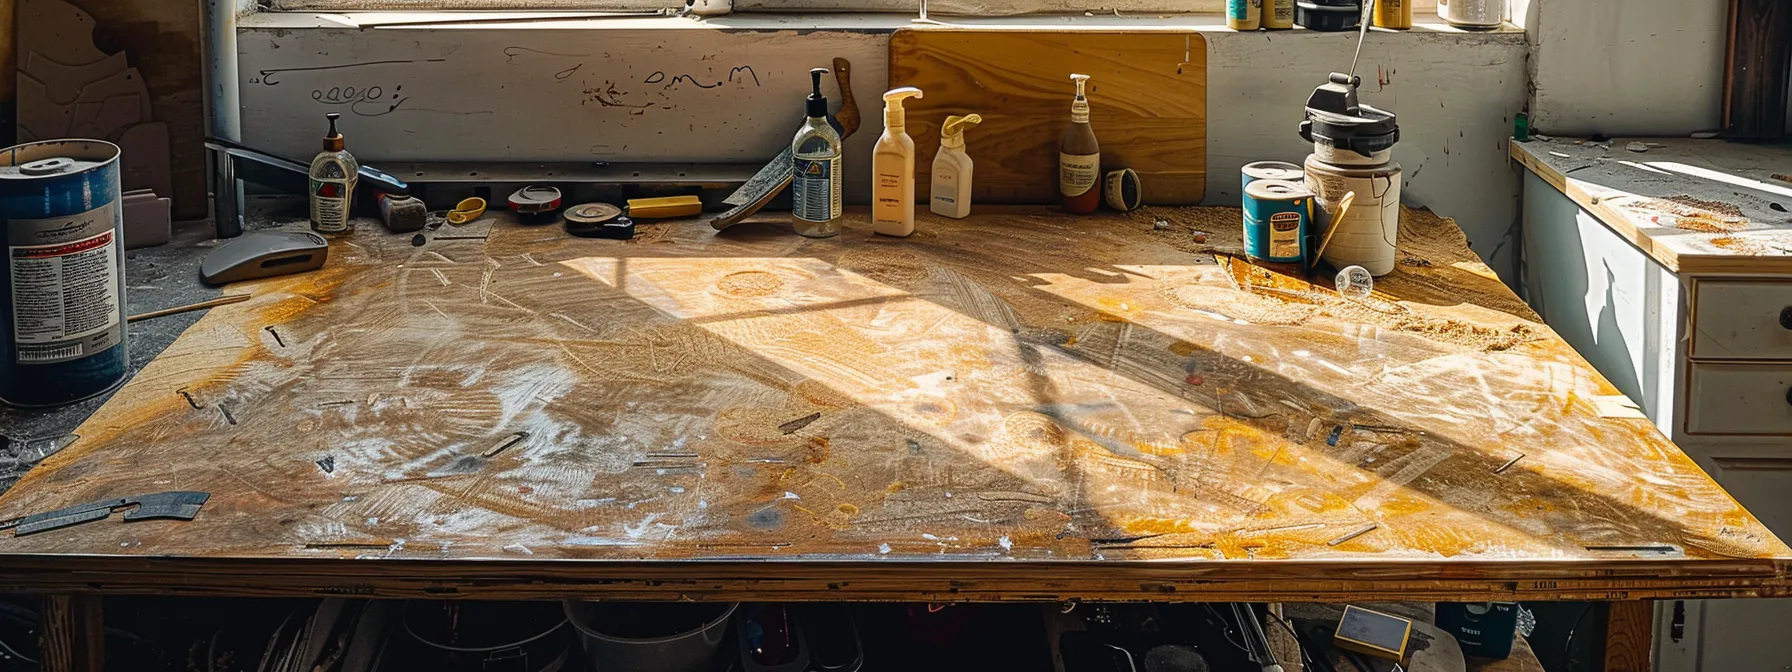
x: 818, y: 104
x: 333, y: 140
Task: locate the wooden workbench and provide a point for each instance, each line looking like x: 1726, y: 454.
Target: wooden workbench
x: 1024, y: 406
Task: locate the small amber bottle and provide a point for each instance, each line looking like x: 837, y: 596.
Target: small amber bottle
x: 1079, y: 157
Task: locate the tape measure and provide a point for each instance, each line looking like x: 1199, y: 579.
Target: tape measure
x: 535, y: 199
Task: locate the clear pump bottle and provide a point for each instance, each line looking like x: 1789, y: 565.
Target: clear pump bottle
x: 816, y: 185
x: 334, y: 172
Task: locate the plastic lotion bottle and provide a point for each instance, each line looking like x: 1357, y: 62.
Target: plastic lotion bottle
x: 952, y: 169
x: 893, y: 170
x: 333, y: 175
x: 815, y: 186
x: 1079, y: 158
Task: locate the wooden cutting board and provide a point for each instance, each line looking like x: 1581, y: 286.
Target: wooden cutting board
x: 1148, y: 104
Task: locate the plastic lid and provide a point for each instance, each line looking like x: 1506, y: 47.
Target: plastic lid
x: 1334, y: 114
x: 52, y: 166
x: 1276, y: 190
x: 818, y: 104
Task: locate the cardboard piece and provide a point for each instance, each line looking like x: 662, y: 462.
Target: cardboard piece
x: 58, y: 30
x: 128, y: 82
x: 64, y: 82
x: 38, y: 117
x: 106, y: 119
x: 146, y: 219
x: 145, y: 158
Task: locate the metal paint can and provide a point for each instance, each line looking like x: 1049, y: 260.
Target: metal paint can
x: 1271, y: 170
x: 1278, y: 14
x: 1278, y: 215
x: 1486, y: 14
x: 62, y: 328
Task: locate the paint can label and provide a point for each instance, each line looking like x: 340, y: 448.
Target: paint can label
x: 815, y: 191
x: 1077, y: 173
x: 1284, y: 235
x: 65, y: 288
x: 1243, y: 10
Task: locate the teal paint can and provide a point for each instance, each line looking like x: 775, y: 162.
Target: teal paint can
x: 1278, y: 215
x: 62, y: 326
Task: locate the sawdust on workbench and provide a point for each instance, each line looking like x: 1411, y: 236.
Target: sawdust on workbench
x: 1437, y: 268
x: 1693, y: 214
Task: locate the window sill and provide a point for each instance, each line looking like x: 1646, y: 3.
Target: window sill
x: 850, y: 22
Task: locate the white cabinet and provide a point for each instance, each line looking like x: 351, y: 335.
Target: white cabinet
x: 1695, y: 327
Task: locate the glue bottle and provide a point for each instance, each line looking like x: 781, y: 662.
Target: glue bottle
x: 1079, y: 157
x: 333, y: 175
x: 952, y: 169
x: 893, y: 169
x: 815, y: 186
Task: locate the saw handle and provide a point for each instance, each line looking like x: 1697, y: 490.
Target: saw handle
x: 848, y: 116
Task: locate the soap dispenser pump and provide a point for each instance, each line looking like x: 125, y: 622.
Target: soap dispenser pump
x: 893, y: 169
x: 952, y: 169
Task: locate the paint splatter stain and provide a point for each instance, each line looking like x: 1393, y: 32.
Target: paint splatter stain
x: 766, y: 519
x: 847, y: 510
x: 750, y: 284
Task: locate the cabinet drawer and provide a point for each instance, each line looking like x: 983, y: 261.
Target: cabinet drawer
x: 1735, y: 319
x: 1739, y: 399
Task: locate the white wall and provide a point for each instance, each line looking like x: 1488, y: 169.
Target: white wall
x: 1627, y: 67
x: 471, y: 92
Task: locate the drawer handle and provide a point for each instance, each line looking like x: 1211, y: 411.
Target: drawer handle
x: 1786, y: 317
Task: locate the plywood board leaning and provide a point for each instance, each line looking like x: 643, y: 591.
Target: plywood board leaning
x: 1148, y: 106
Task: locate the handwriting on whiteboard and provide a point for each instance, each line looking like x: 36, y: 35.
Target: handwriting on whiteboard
x: 272, y: 76
x: 365, y: 101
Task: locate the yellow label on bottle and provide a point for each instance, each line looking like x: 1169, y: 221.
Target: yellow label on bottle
x: 1284, y: 235
x: 1077, y: 173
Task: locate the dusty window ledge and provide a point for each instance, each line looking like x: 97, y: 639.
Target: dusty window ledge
x: 860, y: 22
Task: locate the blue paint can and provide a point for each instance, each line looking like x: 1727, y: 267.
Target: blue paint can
x: 1278, y: 215
x: 62, y: 327
x: 1272, y: 170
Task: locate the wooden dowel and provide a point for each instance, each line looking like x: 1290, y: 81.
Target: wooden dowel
x: 202, y: 305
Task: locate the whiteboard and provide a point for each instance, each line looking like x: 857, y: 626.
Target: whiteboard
x: 617, y: 95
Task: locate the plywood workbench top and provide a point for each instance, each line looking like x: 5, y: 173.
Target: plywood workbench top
x: 1695, y: 206
x: 1022, y: 405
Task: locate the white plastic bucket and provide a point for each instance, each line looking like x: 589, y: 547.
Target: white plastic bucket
x: 685, y: 641
x: 1370, y: 232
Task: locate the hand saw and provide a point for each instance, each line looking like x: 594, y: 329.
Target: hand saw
x: 775, y: 177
